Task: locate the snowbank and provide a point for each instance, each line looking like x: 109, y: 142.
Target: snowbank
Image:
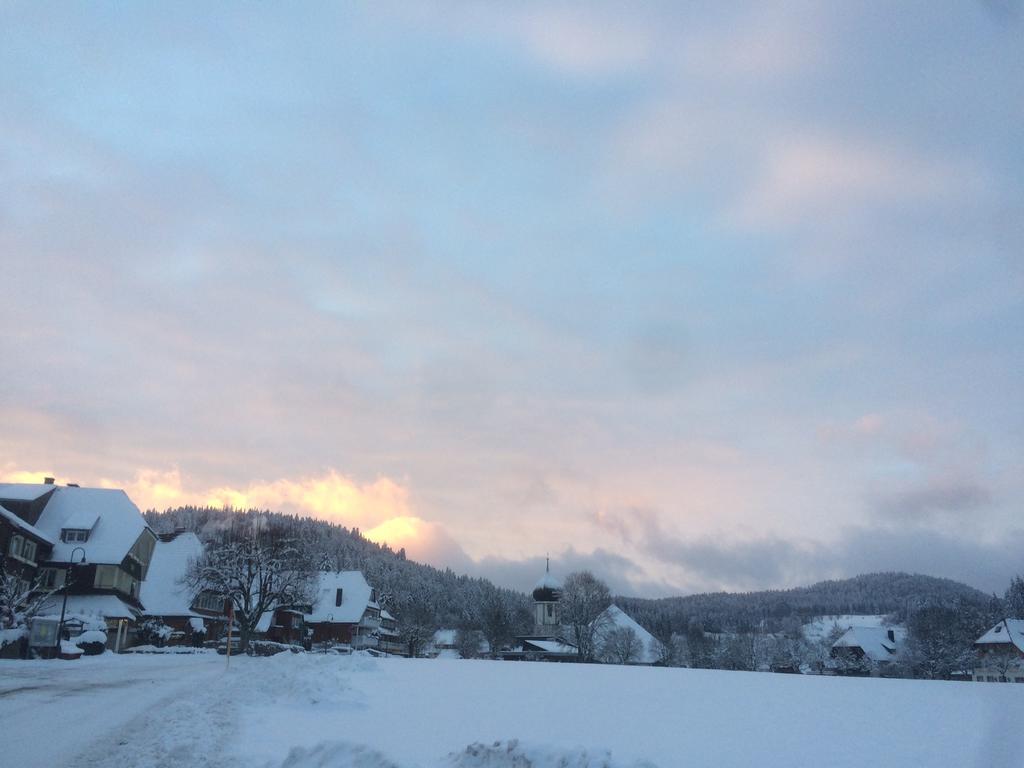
x: 511, y: 754
x: 500, y: 754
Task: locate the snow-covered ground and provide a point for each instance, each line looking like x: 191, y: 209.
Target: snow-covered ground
x: 301, y: 711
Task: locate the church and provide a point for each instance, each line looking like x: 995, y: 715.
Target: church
x: 547, y: 641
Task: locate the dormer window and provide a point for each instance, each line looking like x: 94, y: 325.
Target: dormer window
x: 74, y: 534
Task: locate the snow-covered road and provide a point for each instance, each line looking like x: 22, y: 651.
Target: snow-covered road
x: 358, y: 712
x: 52, y: 712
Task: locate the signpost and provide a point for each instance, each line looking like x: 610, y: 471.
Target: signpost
x: 229, y: 610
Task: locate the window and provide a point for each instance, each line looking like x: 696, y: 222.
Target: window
x: 21, y: 548
x: 75, y: 534
x: 28, y: 551
x: 105, y: 576
x: 51, y: 578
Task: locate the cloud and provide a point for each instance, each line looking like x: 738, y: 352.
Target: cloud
x: 706, y: 563
x: 330, y: 496
x: 622, y: 575
x: 423, y: 541
x: 939, y: 496
x: 803, y: 178
x: 587, y: 42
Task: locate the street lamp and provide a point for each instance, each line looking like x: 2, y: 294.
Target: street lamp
x: 67, y: 583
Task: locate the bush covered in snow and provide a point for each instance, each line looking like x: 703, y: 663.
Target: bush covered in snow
x: 92, y: 642
x: 270, y: 648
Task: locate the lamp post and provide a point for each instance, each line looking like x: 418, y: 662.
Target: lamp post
x: 67, y: 583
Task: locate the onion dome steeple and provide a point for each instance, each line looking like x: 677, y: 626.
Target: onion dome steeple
x: 548, y: 589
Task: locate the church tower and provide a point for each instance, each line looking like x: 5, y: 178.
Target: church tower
x: 546, y: 616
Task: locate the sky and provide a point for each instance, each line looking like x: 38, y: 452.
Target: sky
x: 698, y: 296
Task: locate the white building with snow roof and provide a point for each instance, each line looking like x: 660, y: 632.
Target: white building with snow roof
x: 166, y: 596
x: 344, y: 611
x: 1001, y: 653
x: 613, y: 628
x: 867, y: 649
x: 101, y: 548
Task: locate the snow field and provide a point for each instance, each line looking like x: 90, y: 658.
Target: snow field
x: 306, y: 710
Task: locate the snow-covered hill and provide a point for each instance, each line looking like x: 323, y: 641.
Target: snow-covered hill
x: 339, y: 712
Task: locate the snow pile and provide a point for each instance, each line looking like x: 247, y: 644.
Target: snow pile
x: 302, y: 680
x: 338, y: 754
x: 168, y: 649
x: 511, y: 754
x: 500, y: 754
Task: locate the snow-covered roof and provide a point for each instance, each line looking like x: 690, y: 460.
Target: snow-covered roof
x: 616, y: 618
x: 24, y: 491
x: 1006, y: 631
x: 99, y: 606
x: 116, y: 521
x: 444, y: 637
x: 263, y: 625
x: 550, y: 646
x: 82, y: 519
x: 386, y: 615
x: 163, y: 593
x: 355, y: 598
x: 547, y: 581
x: 874, y: 641
x: 21, y: 525
x: 820, y: 627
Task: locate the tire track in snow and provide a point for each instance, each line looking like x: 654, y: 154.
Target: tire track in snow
x: 188, y: 727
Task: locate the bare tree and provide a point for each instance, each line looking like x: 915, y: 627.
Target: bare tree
x: 468, y: 642
x: 258, y: 571
x: 20, y: 600
x: 621, y: 645
x: 498, y: 618
x: 583, y: 602
x: 416, y: 610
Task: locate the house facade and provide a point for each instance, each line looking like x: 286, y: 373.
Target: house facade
x: 167, y: 600
x: 390, y: 640
x: 344, y: 611
x: 99, y: 554
x: 1001, y: 653
x: 22, y: 548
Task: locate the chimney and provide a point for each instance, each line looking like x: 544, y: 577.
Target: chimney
x: 47, y: 481
x: 337, y: 597
x: 892, y: 635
